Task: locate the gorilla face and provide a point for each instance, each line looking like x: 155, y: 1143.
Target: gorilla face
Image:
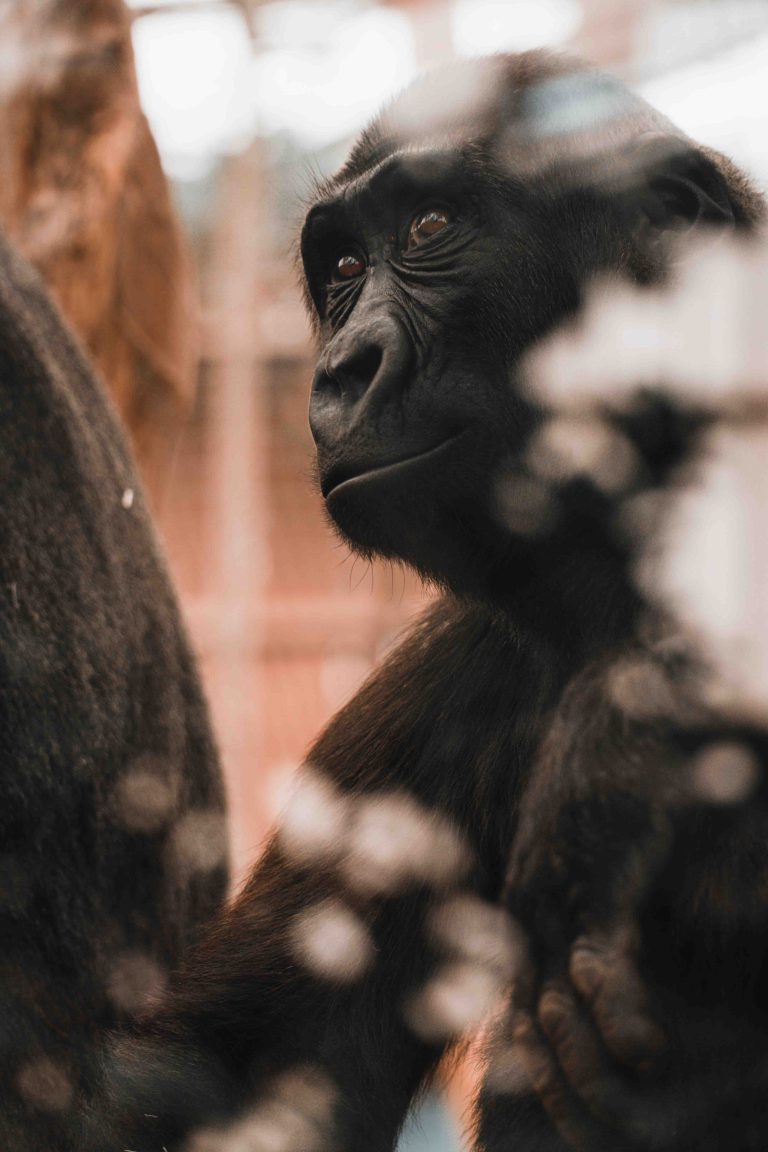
x: 418, y: 352
x: 433, y: 261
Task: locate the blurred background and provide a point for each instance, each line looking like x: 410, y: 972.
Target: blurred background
x: 185, y: 288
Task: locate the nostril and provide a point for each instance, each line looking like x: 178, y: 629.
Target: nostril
x: 324, y: 383
x: 354, y: 372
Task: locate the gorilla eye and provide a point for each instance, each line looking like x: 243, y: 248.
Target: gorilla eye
x: 425, y: 225
x: 348, y: 266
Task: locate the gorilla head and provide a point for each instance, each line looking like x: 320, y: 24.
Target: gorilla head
x: 465, y: 224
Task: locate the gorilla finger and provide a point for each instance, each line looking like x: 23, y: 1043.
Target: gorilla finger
x: 568, y: 1115
x: 574, y: 1041
x: 593, y: 1076
x: 605, y: 976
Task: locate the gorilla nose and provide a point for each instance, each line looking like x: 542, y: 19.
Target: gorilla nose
x: 353, y: 369
x: 363, y: 370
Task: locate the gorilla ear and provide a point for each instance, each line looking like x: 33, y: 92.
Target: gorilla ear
x: 679, y: 187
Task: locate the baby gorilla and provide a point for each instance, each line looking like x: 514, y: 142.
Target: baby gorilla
x: 465, y: 226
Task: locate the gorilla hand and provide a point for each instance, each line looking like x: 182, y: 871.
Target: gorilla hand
x: 611, y: 828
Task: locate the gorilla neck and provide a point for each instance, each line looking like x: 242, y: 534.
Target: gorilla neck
x: 581, y: 609
x: 575, y: 594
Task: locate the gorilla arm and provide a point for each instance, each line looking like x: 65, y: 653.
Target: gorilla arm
x: 260, y: 999
x: 637, y: 871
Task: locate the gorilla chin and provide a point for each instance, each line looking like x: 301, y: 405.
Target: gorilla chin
x: 422, y: 509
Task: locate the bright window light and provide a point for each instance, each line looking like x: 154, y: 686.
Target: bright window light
x: 670, y: 34
x: 481, y: 26
x: 139, y: 4
x: 193, y: 69
x: 722, y: 102
x: 325, y: 89
x: 302, y: 23
x: 325, y: 69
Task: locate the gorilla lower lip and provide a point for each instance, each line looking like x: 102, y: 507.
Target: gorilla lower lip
x: 338, y: 481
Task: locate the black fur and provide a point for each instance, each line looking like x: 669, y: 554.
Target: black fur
x: 99, y: 698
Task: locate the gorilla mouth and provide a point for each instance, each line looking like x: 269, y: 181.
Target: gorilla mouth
x: 345, y: 475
